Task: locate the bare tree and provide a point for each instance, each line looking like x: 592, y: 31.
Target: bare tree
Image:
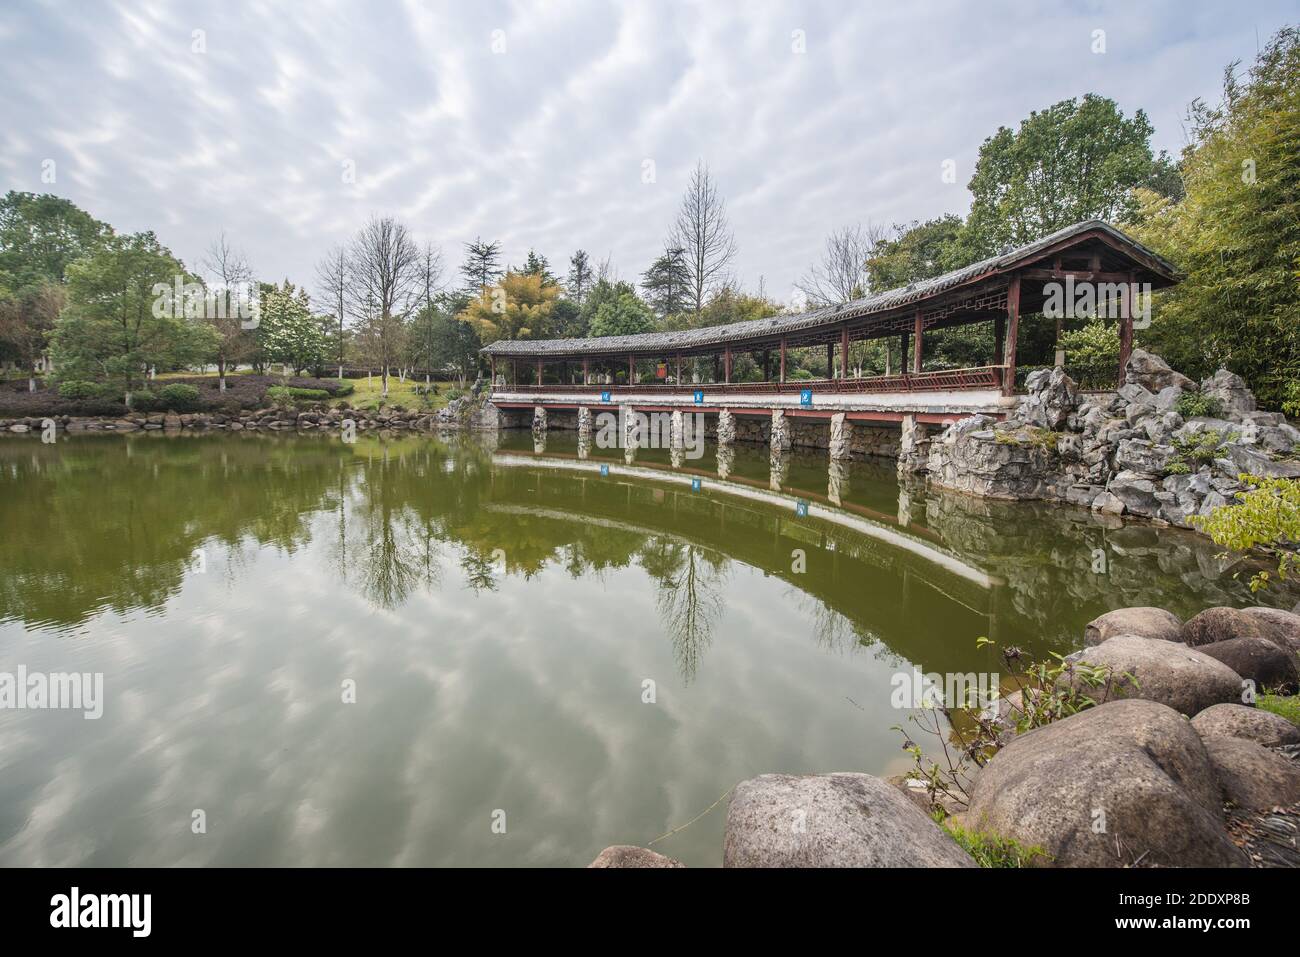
x: 384, y: 278
x: 430, y: 284
x: 702, y: 232
x: 332, y: 275
x: 233, y: 277
x: 842, y: 273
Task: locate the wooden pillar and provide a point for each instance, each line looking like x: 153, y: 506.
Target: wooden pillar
x: 830, y: 360
x: 539, y: 371
x: 492, y: 364
x: 1013, y: 333
x: 1126, y: 327
x: 678, y: 375
x: 767, y: 365
x: 726, y: 365
x: 999, y: 339
x: 904, y: 347
x: 783, y: 358
x: 631, y: 369
x: 844, y: 353
x: 918, y: 327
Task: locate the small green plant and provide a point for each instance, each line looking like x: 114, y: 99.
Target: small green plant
x: 991, y: 850
x: 179, y: 397
x: 344, y: 389
x: 1266, y: 517
x: 1049, y: 691
x: 1044, y: 439
x: 1192, y: 405
x: 1179, y: 468
x: 1197, y: 449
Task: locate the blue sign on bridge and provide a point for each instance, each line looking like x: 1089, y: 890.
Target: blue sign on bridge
x: 604, y: 397
x: 805, y: 397
x: 699, y: 396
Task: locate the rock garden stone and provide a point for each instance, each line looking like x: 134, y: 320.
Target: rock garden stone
x: 832, y: 820
x: 1253, y: 776
x: 1241, y: 721
x: 1143, y: 622
x: 1166, y: 672
x: 1135, y: 766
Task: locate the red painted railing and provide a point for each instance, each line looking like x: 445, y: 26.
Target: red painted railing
x: 945, y: 380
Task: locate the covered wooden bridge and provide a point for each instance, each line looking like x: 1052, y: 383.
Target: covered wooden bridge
x: 661, y: 371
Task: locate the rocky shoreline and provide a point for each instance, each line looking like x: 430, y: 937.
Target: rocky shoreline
x: 1130, y: 452
x: 459, y: 413
x: 1169, y: 769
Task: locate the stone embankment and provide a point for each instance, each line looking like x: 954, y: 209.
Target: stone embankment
x: 464, y: 412
x: 1131, y: 452
x: 1174, y: 767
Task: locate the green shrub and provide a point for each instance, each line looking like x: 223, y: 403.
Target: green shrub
x: 799, y: 375
x: 343, y: 389
x: 1191, y: 405
x: 291, y: 395
x: 78, y: 391
x: 1291, y: 399
x: 179, y: 397
x: 454, y: 394
x: 143, y: 401
x: 1266, y: 517
x: 1092, y: 354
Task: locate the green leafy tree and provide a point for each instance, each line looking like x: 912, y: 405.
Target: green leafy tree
x: 123, y: 318
x: 916, y: 251
x: 625, y: 316
x: 1075, y: 160
x: 39, y: 237
x: 567, y: 321
x: 289, y: 333
x: 1236, y: 235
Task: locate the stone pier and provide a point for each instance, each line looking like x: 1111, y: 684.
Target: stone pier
x: 584, y: 424
x: 914, y: 450
x: 539, y: 420
x: 841, y: 437
x: 780, y: 434
x: 726, y: 427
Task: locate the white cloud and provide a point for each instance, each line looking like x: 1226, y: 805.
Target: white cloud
x: 542, y: 145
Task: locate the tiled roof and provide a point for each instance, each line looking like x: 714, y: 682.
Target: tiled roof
x: 662, y: 343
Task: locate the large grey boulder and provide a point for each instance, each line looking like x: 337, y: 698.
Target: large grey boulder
x: 1143, y: 622
x: 1166, y: 672
x: 1153, y: 373
x: 1125, y: 782
x: 1268, y: 665
x: 1052, y: 397
x: 628, y: 855
x: 1222, y: 624
x: 1252, y: 776
x: 1244, y: 458
x: 1282, y: 627
x: 1239, y: 721
x: 1231, y: 392
x: 832, y: 820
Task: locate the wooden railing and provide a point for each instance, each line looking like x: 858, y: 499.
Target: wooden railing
x: 944, y: 380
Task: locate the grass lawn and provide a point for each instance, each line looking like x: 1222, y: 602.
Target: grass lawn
x: 1288, y: 706
x: 368, y: 394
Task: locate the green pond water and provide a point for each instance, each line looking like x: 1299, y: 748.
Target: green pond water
x: 500, y: 613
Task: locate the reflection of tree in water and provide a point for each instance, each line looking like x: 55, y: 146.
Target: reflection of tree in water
x: 831, y: 629
x: 690, y: 600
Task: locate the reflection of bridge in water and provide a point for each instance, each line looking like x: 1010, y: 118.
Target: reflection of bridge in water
x: 898, y: 586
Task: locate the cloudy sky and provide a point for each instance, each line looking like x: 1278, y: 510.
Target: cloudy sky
x: 561, y: 125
